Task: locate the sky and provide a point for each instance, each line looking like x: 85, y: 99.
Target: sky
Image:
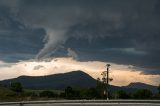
x: 43, y: 37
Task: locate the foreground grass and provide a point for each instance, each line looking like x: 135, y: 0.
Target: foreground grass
x: 6, y: 94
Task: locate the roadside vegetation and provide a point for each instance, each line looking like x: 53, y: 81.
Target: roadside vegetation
x: 16, y: 92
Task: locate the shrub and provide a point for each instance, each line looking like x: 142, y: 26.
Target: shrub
x: 47, y: 94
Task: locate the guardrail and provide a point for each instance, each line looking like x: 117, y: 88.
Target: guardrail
x: 85, y: 103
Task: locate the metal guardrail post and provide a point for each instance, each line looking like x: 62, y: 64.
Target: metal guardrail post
x: 21, y: 104
x: 87, y: 102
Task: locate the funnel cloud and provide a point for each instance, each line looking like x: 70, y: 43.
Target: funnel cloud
x: 122, y: 32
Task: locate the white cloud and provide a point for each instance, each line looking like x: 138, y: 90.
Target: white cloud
x: 54, y: 39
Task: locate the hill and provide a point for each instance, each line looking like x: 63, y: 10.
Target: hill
x: 4, y: 91
x: 76, y: 79
x: 139, y: 85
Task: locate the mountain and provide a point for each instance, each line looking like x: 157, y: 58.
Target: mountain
x: 139, y: 85
x: 76, y: 79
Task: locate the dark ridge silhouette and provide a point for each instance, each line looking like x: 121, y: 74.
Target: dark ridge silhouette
x: 139, y: 85
x: 76, y: 79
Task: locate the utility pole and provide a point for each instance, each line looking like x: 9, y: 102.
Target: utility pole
x: 105, y: 80
x: 107, y: 88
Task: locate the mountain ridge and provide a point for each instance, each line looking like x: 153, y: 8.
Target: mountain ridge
x: 140, y: 85
x: 78, y: 79
x: 55, y: 81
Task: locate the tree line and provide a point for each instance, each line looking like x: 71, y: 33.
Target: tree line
x: 81, y: 93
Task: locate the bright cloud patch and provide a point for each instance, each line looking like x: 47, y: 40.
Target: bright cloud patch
x: 122, y: 74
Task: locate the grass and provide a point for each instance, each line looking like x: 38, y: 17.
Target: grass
x: 38, y: 91
x: 4, y: 91
x: 6, y: 94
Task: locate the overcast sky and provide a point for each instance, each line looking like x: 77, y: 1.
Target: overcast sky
x: 121, y: 32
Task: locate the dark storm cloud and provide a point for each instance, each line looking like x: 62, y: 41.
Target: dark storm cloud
x: 17, y: 41
x: 125, y: 32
